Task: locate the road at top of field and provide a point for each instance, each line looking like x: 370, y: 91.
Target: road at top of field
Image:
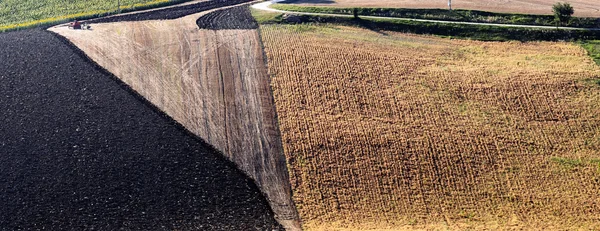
x: 583, y: 8
x: 266, y: 6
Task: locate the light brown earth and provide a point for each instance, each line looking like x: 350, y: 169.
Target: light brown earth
x: 583, y: 8
x: 391, y: 131
x: 214, y: 83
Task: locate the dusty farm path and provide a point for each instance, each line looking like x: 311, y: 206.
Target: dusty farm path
x: 213, y: 81
x: 265, y: 6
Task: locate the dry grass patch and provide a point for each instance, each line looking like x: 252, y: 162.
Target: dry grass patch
x: 401, y: 131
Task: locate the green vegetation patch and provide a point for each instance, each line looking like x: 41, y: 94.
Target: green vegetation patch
x: 567, y: 162
x: 446, y: 15
x: 21, y: 14
x: 263, y: 17
x: 595, y: 82
x: 593, y: 49
x: 571, y: 163
x: 463, y: 31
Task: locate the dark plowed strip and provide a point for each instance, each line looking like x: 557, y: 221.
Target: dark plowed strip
x: 79, y: 151
x: 171, y: 13
x: 238, y: 17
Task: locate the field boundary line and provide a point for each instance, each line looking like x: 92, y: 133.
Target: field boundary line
x: 266, y: 6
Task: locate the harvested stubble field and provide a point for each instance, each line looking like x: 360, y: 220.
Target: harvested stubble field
x: 400, y: 131
x: 583, y: 8
x: 207, y: 71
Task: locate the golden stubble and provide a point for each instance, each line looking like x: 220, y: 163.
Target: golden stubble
x: 395, y: 131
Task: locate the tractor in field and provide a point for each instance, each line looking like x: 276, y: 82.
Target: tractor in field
x: 76, y: 25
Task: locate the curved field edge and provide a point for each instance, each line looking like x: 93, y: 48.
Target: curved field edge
x: 167, y: 13
x: 398, y: 131
x: 78, y: 142
x: 238, y: 17
x: 59, y: 16
x: 214, y: 82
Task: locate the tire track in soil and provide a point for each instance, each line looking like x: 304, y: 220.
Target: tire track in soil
x: 249, y: 102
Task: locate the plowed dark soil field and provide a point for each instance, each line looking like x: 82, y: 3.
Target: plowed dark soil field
x: 80, y: 151
x: 238, y: 17
x: 171, y: 13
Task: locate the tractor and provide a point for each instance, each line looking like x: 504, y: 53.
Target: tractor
x: 76, y: 25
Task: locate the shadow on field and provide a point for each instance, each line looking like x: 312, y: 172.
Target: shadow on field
x: 369, y: 25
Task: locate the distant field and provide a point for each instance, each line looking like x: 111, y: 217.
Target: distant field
x: 583, y: 8
x: 391, y: 131
x: 24, y: 11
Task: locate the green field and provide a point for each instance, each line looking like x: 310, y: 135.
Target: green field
x: 15, y: 14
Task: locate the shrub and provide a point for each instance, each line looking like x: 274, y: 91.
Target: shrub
x: 562, y: 12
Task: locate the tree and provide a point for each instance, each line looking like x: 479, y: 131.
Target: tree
x: 355, y: 12
x: 562, y: 12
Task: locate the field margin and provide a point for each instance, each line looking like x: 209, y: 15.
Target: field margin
x: 457, y: 15
x: 451, y: 29
x: 49, y: 22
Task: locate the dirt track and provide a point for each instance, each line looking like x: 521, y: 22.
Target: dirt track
x: 80, y: 151
x: 214, y: 82
x: 583, y: 8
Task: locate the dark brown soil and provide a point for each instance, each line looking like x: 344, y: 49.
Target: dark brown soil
x: 238, y: 17
x: 171, y: 13
x: 79, y: 150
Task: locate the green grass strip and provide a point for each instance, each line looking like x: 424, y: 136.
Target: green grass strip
x: 593, y: 49
x: 462, y: 31
x: 445, y: 15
